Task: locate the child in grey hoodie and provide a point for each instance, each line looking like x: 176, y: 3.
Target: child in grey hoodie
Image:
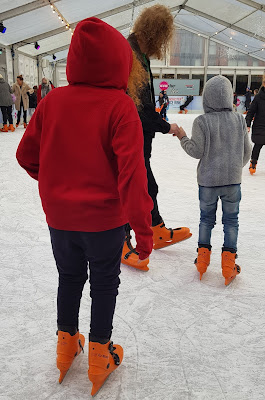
x: 220, y: 141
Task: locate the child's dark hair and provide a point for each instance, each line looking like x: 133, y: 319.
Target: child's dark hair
x: 20, y: 77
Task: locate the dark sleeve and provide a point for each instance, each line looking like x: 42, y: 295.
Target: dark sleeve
x: 251, y: 112
x: 152, y: 121
x: 29, y: 147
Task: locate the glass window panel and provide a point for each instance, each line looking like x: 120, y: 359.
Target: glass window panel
x: 7, y: 5
x: 198, y: 23
x: 201, y: 78
x: 77, y: 10
x: 255, y: 23
x: 29, y: 24
x: 183, y: 76
x: 220, y: 55
x: 168, y: 76
x: 240, y: 40
x: 227, y: 10
x: 256, y: 82
x: 241, y: 84
x: 187, y: 49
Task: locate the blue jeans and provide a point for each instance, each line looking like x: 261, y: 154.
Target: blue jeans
x: 230, y: 197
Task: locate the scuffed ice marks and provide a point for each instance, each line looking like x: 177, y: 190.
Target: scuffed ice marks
x: 183, y: 339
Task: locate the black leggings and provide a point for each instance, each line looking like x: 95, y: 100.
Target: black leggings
x: 7, y: 114
x: 152, y: 185
x: 72, y: 252
x: 256, y: 152
x: 163, y: 112
x: 24, y: 113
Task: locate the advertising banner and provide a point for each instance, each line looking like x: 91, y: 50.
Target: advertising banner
x: 177, y: 87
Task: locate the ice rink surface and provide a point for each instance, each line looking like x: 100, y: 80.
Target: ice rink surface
x: 183, y: 339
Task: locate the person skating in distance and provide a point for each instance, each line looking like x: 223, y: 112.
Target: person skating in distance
x: 220, y: 141
x: 257, y: 113
x: 151, y: 37
x: 89, y: 183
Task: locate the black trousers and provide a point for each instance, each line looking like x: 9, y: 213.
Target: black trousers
x: 7, y: 114
x: 72, y: 252
x: 24, y: 113
x: 256, y: 152
x: 163, y: 112
x: 152, y: 185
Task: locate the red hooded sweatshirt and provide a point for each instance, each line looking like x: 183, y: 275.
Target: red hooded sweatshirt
x: 84, y: 143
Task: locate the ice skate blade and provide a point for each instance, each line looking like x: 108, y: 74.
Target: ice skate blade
x: 139, y: 267
x: 170, y: 242
x: 97, y: 386
x: 230, y: 279
x: 62, y: 375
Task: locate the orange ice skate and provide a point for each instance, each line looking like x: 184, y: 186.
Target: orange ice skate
x: 68, y: 347
x: 11, y: 128
x: 252, y: 167
x: 4, y: 129
x: 203, y: 260
x: 229, y: 267
x: 164, y: 237
x: 103, y: 360
x: 131, y: 257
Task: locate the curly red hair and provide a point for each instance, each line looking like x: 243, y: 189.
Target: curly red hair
x: 154, y: 29
x: 137, y: 80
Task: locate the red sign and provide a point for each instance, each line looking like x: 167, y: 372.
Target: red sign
x: 164, y: 85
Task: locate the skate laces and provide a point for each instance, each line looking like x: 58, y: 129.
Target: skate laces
x: 132, y: 250
x: 80, y: 344
x: 115, y: 356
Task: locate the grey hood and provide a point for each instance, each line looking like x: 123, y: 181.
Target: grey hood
x: 218, y: 95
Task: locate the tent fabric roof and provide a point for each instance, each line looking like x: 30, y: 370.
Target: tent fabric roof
x: 238, y: 23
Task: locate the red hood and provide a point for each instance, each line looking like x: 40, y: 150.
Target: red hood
x: 99, y: 56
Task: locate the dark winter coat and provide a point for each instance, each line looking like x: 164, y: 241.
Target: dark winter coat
x: 5, y: 94
x: 33, y: 100
x: 257, y: 111
x: 151, y: 120
x: 248, y: 98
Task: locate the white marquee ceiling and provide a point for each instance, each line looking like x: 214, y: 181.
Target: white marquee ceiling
x: 238, y: 23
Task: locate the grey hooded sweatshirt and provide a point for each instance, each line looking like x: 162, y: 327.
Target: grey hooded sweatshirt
x: 219, y: 137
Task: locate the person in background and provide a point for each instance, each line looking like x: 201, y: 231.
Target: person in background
x: 90, y: 184
x: 257, y: 112
x: 21, y: 91
x: 248, y: 99
x: 151, y: 37
x: 256, y: 91
x: 44, y: 88
x: 33, y: 101
x: 164, y: 103
x: 6, y: 104
x: 222, y: 153
x: 182, y: 108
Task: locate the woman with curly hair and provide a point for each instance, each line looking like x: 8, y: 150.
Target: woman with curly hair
x: 152, y: 33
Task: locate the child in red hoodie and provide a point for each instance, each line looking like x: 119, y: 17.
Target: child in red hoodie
x: 92, y: 181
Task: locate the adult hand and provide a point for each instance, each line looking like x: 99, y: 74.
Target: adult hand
x: 248, y: 128
x: 180, y: 134
x: 174, y: 129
